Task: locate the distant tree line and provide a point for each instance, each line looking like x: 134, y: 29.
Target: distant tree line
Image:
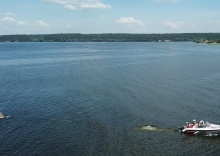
x: 108, y: 37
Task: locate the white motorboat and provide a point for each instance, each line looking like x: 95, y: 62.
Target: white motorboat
x: 1, y: 115
x: 203, y: 128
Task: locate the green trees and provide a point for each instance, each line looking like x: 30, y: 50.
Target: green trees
x: 109, y: 37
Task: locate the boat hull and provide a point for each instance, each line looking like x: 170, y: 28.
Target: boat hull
x: 201, y: 131
x: 206, y: 129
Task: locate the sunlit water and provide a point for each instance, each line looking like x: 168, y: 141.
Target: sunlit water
x: 96, y: 98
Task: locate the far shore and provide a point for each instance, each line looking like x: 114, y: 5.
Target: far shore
x: 213, y: 43
x: 210, y: 38
x: 208, y: 41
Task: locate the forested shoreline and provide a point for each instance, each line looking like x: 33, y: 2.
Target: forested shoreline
x: 77, y: 37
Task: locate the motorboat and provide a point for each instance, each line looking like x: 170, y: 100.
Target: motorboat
x: 203, y: 128
x: 1, y: 115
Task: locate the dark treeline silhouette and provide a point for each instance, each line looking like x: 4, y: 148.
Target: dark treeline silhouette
x: 175, y: 37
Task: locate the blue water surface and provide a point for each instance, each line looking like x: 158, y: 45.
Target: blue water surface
x: 93, y: 98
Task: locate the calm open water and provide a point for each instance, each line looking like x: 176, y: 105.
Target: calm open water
x: 94, y: 98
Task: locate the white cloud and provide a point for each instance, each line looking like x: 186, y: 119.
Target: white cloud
x: 12, y: 21
x: 8, y: 19
x: 71, y: 7
x: 81, y: 4
x: 21, y: 23
x: 41, y: 23
x: 130, y: 21
x: 171, y: 1
x: 95, y: 5
x: 174, y: 25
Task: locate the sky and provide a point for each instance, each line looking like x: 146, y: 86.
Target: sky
x: 109, y: 16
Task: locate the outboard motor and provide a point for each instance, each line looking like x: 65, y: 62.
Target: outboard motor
x: 181, y: 129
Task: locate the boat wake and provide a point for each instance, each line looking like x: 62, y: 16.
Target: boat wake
x: 156, y: 128
x: 151, y: 128
x: 4, y: 116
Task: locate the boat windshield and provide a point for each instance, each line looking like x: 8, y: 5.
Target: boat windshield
x: 207, y: 124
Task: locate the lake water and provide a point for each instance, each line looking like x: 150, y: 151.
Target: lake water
x: 94, y: 98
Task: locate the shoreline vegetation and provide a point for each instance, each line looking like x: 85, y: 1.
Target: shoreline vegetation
x: 209, y: 38
x: 210, y: 42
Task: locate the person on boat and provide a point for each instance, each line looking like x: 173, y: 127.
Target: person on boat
x: 194, y: 123
x: 1, y: 115
x: 201, y: 123
x: 187, y: 125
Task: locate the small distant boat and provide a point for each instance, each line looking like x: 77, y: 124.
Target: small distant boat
x: 1, y: 115
x: 203, y: 128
